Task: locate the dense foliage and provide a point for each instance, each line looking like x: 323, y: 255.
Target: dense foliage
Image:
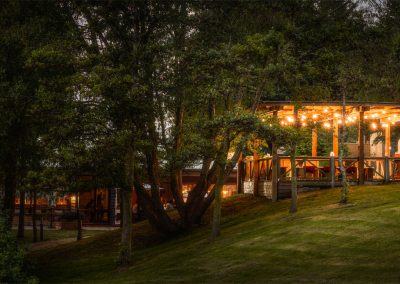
x: 133, y: 92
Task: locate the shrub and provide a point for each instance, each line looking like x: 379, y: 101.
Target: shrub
x: 12, y: 262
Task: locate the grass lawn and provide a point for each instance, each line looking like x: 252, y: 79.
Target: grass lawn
x: 51, y: 235
x: 260, y: 242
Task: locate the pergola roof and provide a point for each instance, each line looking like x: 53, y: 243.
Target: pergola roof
x: 385, y: 112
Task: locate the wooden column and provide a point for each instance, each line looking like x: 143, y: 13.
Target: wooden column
x: 361, y: 141
x: 314, y: 144
x: 387, y: 140
x: 239, y: 174
x: 275, y: 166
x: 335, y: 138
x: 256, y: 157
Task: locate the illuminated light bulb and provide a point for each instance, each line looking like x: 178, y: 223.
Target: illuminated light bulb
x: 304, y: 124
x: 394, y: 115
x: 263, y: 120
x: 384, y: 111
x: 325, y: 110
x: 392, y: 122
x: 336, y: 115
x: 375, y: 115
x: 389, y: 118
x: 290, y: 119
x: 303, y: 117
x: 385, y: 125
x: 314, y: 116
x: 374, y: 126
x: 365, y: 116
x: 340, y: 121
x: 270, y: 125
x: 282, y: 123
x: 327, y: 125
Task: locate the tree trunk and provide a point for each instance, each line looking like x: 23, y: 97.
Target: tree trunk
x: 10, y: 186
x: 79, y: 220
x: 34, y: 227
x: 216, y: 224
x: 21, y: 217
x: 343, y: 197
x: 126, y: 232
x: 293, y: 204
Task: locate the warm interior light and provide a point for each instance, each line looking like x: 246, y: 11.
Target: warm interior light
x: 385, y: 125
x: 325, y: 110
x: 340, y: 121
x: 304, y: 124
x: 336, y: 115
x: 290, y: 119
x: 303, y: 117
x: 327, y: 125
x: 373, y: 125
x: 314, y: 116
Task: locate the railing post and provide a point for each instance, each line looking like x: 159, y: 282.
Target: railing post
x: 332, y: 170
x: 386, y: 169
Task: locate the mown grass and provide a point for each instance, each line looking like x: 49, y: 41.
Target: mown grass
x: 53, y: 234
x: 260, y: 242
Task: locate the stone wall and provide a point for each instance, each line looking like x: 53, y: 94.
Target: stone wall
x: 264, y: 188
x: 248, y: 187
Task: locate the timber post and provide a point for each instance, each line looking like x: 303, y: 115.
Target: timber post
x: 332, y: 169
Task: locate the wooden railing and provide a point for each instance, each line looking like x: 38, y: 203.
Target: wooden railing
x: 324, y: 169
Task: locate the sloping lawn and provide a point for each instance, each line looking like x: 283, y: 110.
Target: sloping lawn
x: 261, y: 242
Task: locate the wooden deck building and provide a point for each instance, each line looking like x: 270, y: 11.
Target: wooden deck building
x: 369, y: 163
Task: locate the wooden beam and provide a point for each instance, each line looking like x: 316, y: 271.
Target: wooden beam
x: 361, y: 141
x: 314, y: 143
x: 387, y: 140
x: 335, y: 138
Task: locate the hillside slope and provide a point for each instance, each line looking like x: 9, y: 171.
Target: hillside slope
x: 261, y: 242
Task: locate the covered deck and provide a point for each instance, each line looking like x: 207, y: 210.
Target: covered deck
x: 366, y: 162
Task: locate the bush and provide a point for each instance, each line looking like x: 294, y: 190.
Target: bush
x: 12, y: 262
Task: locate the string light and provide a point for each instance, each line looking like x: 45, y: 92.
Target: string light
x: 327, y: 125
